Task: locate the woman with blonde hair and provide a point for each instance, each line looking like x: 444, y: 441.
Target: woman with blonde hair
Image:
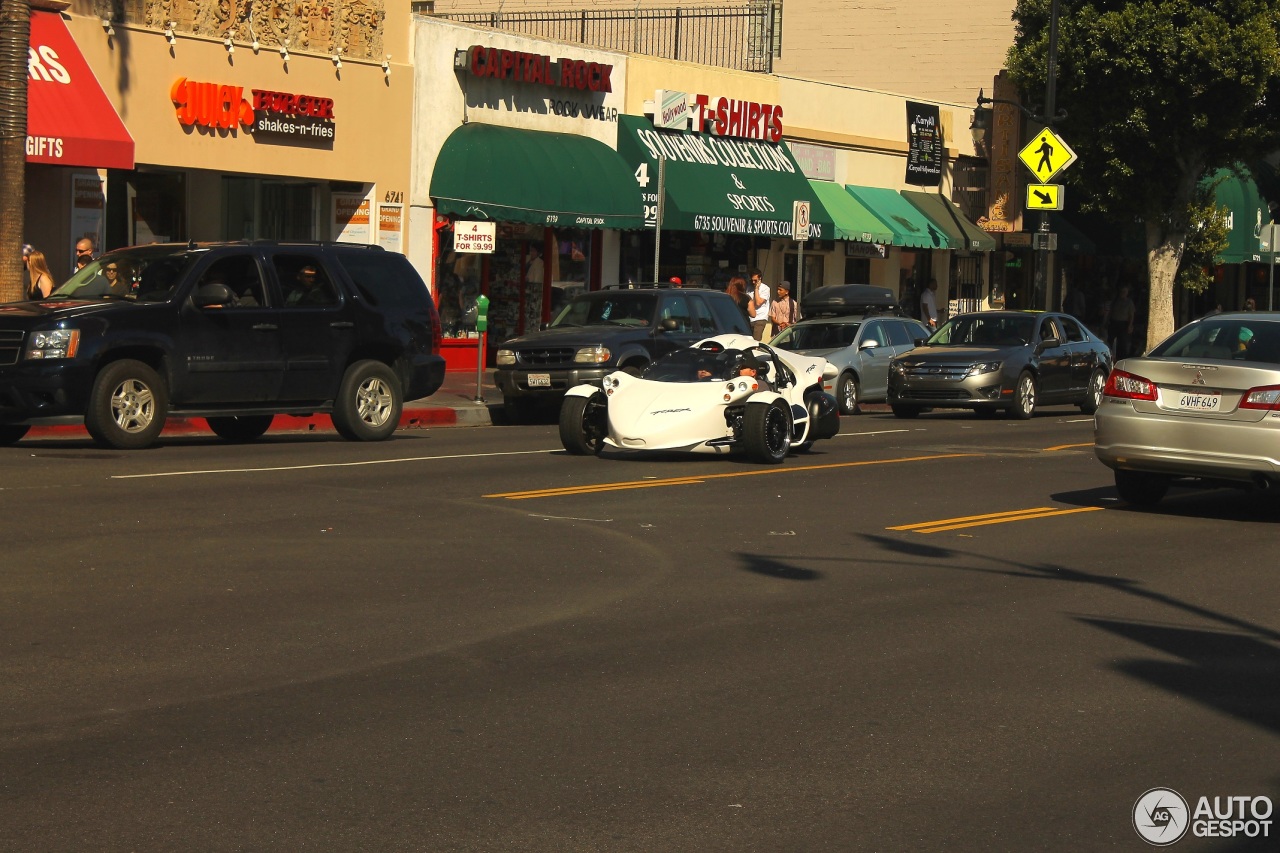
x: 41, y: 278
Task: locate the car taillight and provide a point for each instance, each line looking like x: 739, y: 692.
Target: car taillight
x: 1264, y: 397
x: 1129, y: 386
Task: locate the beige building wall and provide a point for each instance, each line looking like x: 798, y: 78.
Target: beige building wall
x: 928, y: 50
x: 922, y: 48
x: 137, y: 67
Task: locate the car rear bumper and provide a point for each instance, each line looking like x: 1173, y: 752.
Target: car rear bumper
x: 1187, y: 447
x: 426, y: 375
x: 514, y: 382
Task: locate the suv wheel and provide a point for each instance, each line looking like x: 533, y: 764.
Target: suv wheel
x: 368, y: 405
x: 240, y: 428
x: 128, y: 406
x: 847, y: 394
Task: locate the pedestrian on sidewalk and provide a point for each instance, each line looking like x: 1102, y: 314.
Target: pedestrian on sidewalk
x: 784, y: 311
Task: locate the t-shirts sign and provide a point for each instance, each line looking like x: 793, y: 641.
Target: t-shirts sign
x: 924, y: 145
x: 477, y: 237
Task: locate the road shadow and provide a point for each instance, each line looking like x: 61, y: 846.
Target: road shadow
x: 1233, y: 669
x: 1188, y: 500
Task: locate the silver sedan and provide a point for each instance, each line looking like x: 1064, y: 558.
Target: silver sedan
x: 1205, y: 404
x: 859, y: 347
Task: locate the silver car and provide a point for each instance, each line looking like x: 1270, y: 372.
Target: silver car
x: 1205, y: 403
x: 859, y: 347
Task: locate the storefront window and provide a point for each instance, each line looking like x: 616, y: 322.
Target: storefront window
x: 158, y: 203
x: 700, y: 260
x: 523, y: 286
x: 269, y: 210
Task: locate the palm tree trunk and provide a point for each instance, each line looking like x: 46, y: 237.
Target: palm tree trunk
x: 15, y: 33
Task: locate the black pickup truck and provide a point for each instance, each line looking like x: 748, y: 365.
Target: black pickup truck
x: 602, y: 331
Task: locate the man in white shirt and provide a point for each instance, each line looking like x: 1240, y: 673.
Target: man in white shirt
x: 758, y: 306
x: 929, y: 305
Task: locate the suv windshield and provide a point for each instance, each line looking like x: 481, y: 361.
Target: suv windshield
x: 998, y: 330
x: 616, y: 308
x: 148, y: 274
x: 807, y: 336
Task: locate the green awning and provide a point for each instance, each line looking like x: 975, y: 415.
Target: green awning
x: 1236, y: 191
x: 853, y: 221
x: 962, y: 233
x: 505, y: 174
x: 910, y: 227
x: 716, y: 184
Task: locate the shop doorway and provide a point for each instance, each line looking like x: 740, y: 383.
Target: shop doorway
x: 814, y: 268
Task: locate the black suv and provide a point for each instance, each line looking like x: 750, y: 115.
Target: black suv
x: 606, y: 330
x: 232, y: 332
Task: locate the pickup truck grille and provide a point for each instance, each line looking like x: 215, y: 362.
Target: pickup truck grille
x: 547, y: 355
x: 10, y: 346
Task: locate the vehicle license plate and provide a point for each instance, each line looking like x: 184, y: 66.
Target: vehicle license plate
x: 539, y: 380
x: 1199, y: 402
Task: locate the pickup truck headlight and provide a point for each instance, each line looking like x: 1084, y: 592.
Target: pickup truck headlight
x: 984, y: 367
x: 506, y: 357
x: 57, y: 343
x: 592, y: 355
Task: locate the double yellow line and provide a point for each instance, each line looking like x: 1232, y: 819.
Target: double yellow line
x: 990, y: 518
x: 592, y: 488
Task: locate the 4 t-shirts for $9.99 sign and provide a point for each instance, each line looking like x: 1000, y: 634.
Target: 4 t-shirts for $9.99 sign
x: 474, y: 236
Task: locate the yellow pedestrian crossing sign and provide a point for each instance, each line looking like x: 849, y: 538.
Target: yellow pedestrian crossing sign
x: 1046, y: 154
x: 1045, y: 196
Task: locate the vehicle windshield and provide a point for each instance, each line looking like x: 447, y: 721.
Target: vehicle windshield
x: 608, y: 308
x: 1237, y: 339
x: 995, y: 330
x: 811, y: 336
x: 694, y: 365
x: 147, y: 274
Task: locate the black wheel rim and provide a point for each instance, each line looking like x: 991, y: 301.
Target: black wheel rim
x: 593, y: 425
x: 777, y: 432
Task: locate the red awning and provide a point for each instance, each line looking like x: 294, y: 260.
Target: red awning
x: 70, y: 122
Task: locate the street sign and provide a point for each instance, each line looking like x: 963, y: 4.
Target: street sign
x: 1044, y: 241
x: 1269, y: 238
x: 1046, y: 155
x: 1045, y: 196
x: 800, y: 221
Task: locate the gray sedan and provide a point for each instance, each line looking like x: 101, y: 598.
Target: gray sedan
x: 1013, y: 361
x: 859, y: 347
x: 1205, y: 404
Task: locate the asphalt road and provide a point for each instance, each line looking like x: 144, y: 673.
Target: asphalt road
x: 940, y: 634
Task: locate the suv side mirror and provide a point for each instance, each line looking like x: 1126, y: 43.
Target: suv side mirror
x: 669, y: 324
x: 213, y: 294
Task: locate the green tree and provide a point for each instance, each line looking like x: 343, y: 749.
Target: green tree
x: 15, y: 31
x: 1157, y: 94
x: 1206, y: 239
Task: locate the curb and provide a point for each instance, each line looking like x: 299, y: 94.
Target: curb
x: 412, y: 417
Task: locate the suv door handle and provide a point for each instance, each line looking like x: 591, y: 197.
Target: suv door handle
x: 342, y: 324
x: 265, y: 327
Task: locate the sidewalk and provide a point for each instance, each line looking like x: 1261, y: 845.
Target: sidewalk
x: 453, y: 405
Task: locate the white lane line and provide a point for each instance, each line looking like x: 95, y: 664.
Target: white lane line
x: 876, y: 432
x: 327, y: 465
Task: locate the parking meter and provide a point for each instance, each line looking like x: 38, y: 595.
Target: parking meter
x: 482, y: 313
